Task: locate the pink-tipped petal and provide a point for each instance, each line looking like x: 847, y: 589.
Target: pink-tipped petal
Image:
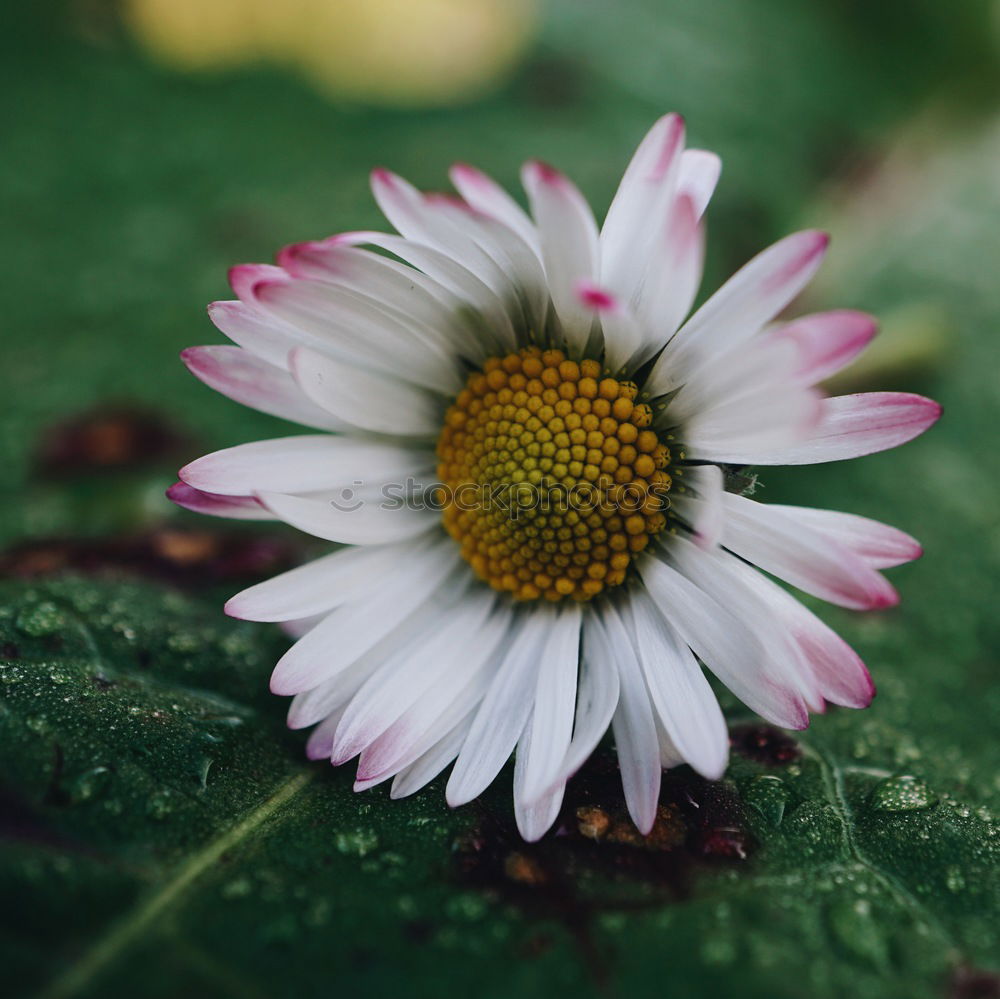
x: 244, y: 277
x: 638, y: 206
x: 487, y: 196
x: 713, y: 615
x: 820, y: 656
x: 266, y: 337
x: 216, y: 505
x: 746, y: 302
x: 851, y: 426
x: 623, y: 335
x: 827, y: 341
x: 244, y: 378
x: 880, y: 545
x: 568, y: 236
x: 803, y: 556
x: 596, y: 298
x: 699, y: 174
x: 671, y: 276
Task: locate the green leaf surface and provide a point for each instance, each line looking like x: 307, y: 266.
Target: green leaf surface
x: 156, y: 791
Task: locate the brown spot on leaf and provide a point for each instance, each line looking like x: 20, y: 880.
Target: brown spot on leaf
x: 974, y: 983
x: 180, y: 556
x: 594, y: 860
x: 722, y: 842
x: 107, y: 438
x: 592, y: 822
x: 764, y: 744
x: 524, y: 869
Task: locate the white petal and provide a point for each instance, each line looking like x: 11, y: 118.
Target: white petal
x: 320, y: 585
x: 441, y: 707
x: 352, y: 519
x: 332, y: 697
x: 516, y: 258
x: 402, y: 679
x: 422, y: 221
x: 307, y: 463
x: 364, y: 399
x: 241, y: 376
x: 701, y: 503
x: 428, y: 766
x: 748, y: 300
x: 679, y: 691
x: 551, y: 727
x: 765, y: 421
x: 633, y: 725
x: 851, y: 426
x: 597, y: 698
x: 334, y: 694
x: 504, y: 712
x: 490, y: 315
x: 568, y: 237
x: 348, y: 632
x: 764, y: 365
x: 802, y: 556
x: 357, y: 329
x: 534, y: 814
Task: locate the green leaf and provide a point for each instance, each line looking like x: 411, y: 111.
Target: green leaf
x: 150, y: 785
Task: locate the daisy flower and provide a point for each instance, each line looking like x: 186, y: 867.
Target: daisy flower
x: 530, y: 460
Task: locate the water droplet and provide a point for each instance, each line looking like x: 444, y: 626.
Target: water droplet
x: 466, y: 906
x: 159, y: 805
x: 954, y: 879
x: 318, y: 914
x: 239, y: 888
x: 902, y: 794
x: 204, y: 765
x: 768, y: 796
x: 855, y: 928
x: 184, y: 642
x: 40, y: 620
x: 360, y: 842
x: 90, y: 784
x: 718, y: 950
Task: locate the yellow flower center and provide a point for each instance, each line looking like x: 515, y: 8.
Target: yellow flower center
x: 552, y: 480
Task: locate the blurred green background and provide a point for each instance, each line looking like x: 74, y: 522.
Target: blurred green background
x: 160, y: 832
